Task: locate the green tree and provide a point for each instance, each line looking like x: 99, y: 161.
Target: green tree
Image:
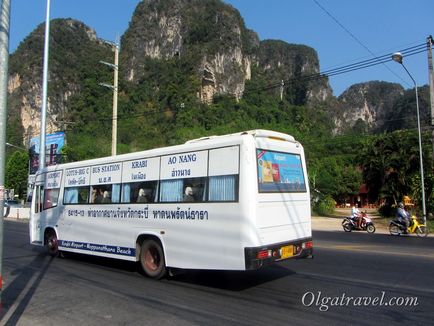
x: 335, y: 177
x: 17, y: 170
x: 391, y: 166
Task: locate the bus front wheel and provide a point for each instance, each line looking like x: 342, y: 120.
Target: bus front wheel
x: 152, y: 259
x: 52, y: 243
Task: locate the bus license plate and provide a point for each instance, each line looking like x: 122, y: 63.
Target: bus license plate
x: 286, y: 252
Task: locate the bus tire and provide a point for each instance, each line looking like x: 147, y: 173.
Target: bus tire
x: 152, y: 259
x: 52, y: 243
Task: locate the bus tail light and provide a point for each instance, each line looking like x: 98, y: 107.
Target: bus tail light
x: 263, y: 254
x: 308, y: 245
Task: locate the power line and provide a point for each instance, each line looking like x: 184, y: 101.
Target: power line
x: 377, y: 60
x: 365, y: 63
x: 344, y: 69
x: 342, y: 26
x: 355, y: 38
x: 391, y: 50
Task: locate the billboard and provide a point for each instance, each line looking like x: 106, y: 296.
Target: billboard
x: 53, y: 148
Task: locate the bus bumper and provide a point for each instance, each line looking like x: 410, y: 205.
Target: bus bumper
x: 256, y: 257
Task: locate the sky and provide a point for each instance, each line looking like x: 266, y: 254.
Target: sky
x: 342, y: 32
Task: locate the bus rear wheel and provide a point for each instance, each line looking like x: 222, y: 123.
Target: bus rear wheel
x: 152, y: 259
x: 52, y: 243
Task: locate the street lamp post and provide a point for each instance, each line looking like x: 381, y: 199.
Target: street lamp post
x: 4, y: 63
x: 398, y: 58
x: 44, y: 89
x: 15, y: 146
x: 113, y: 87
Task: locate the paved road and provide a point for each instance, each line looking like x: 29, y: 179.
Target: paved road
x: 80, y: 290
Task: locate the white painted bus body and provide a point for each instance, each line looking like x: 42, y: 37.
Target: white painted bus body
x: 245, y: 233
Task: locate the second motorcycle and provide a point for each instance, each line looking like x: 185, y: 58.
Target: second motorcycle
x: 361, y: 222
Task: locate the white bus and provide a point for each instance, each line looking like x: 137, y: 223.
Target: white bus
x: 233, y: 202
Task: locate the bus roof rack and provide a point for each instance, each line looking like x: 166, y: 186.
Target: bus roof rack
x: 201, y: 139
x: 261, y: 133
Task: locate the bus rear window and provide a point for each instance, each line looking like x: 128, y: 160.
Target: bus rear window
x: 280, y: 172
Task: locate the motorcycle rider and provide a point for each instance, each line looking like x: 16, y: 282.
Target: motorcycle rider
x: 403, y: 216
x: 356, y: 216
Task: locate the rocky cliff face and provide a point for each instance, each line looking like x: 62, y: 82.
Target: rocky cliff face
x: 293, y: 64
x: 223, y: 50
x: 207, y: 35
x: 370, y: 103
x: 70, y: 44
x: 209, y: 32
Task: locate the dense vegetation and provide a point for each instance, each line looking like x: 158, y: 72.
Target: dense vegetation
x: 160, y: 105
x: 162, y: 110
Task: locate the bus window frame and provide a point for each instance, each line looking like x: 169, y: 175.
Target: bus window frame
x: 236, y: 189
x: 86, y: 201
x: 187, y: 182
x: 141, y: 185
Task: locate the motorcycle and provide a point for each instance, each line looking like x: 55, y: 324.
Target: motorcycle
x: 398, y: 228
x: 351, y: 223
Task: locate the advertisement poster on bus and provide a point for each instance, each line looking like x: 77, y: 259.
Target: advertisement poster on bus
x: 279, y: 172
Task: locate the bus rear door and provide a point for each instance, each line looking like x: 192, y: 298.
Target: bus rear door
x: 36, y: 229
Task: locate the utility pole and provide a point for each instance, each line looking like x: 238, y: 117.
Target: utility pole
x: 114, y: 87
x: 42, y: 156
x: 4, y: 61
x: 282, y: 84
x: 429, y: 42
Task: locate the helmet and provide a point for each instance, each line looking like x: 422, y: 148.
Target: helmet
x: 401, y: 205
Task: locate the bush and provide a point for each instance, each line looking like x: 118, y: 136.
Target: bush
x: 325, y: 206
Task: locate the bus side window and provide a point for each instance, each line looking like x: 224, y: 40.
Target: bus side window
x: 139, y: 192
x: 106, y: 197
x: 97, y: 194
x: 171, y: 190
x: 50, y: 198
x: 76, y: 195
x: 115, y: 193
x: 223, y: 188
x: 194, y: 190
x: 105, y: 194
x: 183, y: 190
x: 83, y: 195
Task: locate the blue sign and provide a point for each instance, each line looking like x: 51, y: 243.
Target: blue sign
x: 115, y: 250
x: 53, y: 148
